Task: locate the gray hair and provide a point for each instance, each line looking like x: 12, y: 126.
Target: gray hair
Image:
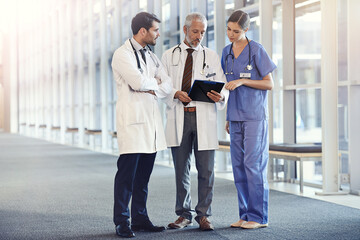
x: 196, y: 16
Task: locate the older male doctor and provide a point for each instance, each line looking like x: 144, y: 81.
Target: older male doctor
x: 193, y: 124
x: 140, y: 80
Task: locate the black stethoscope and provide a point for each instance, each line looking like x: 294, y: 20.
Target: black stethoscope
x: 138, y: 60
x: 179, y: 48
x: 248, y: 67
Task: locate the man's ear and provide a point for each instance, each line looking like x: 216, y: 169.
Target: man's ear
x: 143, y: 31
x: 185, y: 29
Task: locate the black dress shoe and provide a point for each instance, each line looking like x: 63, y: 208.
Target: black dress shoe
x: 123, y: 230
x: 147, y: 226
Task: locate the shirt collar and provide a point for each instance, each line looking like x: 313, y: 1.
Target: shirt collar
x: 184, y: 46
x: 136, y: 45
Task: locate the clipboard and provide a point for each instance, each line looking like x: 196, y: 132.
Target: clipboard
x: 200, y: 88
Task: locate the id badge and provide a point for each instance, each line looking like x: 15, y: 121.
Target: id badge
x: 209, y: 72
x: 245, y: 75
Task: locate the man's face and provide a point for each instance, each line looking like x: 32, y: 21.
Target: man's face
x: 152, y: 34
x: 194, y: 34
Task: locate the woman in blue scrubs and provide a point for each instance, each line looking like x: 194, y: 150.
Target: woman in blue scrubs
x: 248, y: 70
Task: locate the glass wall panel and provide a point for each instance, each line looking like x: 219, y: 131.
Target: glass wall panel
x: 143, y: 5
x: 308, y: 116
x: 210, y: 33
x: 126, y: 18
x: 343, y: 117
x: 343, y: 91
x: 277, y: 74
x: 170, y: 23
x: 254, y: 29
x: 342, y: 41
x: 343, y: 130
x: 308, y: 36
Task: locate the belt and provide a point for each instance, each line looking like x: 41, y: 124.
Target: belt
x: 189, y: 109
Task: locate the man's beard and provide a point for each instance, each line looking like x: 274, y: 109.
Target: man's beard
x: 190, y: 43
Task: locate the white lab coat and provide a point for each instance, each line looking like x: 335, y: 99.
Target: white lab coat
x: 206, y: 113
x: 138, y: 120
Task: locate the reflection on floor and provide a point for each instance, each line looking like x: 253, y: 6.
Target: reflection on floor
x: 345, y: 200
x: 293, y: 188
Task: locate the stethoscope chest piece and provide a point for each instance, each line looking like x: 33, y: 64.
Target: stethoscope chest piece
x: 249, y: 67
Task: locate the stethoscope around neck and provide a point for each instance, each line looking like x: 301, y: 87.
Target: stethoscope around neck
x: 138, y: 60
x: 179, y: 48
x: 248, y: 67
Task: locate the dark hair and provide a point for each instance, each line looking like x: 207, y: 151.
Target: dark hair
x: 241, y: 18
x: 143, y: 20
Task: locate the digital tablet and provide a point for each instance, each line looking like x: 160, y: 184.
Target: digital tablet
x: 200, y: 88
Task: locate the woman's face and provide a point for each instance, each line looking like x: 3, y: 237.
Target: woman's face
x: 234, y: 32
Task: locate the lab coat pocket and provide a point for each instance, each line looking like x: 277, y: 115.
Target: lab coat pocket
x: 135, y: 114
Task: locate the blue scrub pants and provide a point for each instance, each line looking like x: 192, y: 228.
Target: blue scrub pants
x: 205, y: 167
x: 249, y: 147
x: 131, y: 181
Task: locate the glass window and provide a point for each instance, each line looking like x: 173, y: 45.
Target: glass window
x: 142, y: 5
x: 247, y: 3
x: 308, y: 116
x: 343, y: 130
x: 277, y: 74
x: 210, y: 32
x: 254, y: 29
x: 308, y: 36
x: 126, y: 18
x: 343, y: 117
x: 308, y: 70
x: 343, y: 91
x: 171, y: 28
x: 342, y: 42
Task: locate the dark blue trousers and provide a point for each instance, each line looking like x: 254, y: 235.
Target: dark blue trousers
x: 131, y: 181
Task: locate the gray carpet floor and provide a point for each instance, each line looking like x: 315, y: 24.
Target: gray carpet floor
x: 52, y: 191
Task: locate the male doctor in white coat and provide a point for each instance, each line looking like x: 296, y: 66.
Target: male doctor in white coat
x: 193, y: 124
x: 140, y: 80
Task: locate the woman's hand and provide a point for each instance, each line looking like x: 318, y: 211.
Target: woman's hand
x: 227, y: 129
x: 234, y: 84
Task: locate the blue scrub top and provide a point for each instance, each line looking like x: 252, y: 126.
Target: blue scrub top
x: 246, y: 103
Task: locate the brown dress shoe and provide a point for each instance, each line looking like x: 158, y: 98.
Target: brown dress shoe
x: 181, y: 222
x: 205, y: 224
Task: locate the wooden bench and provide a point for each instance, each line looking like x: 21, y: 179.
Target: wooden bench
x: 293, y: 152
x: 71, y: 130
x: 113, y: 134
x: 93, y: 131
